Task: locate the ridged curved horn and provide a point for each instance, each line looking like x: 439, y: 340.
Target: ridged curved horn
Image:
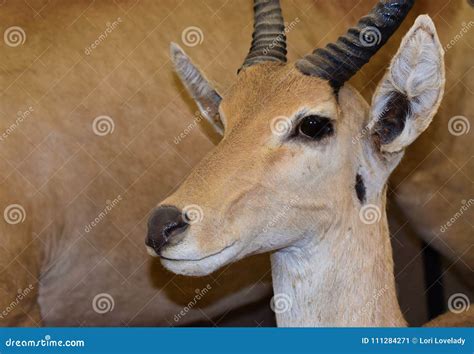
x: 268, y: 39
x: 339, y: 61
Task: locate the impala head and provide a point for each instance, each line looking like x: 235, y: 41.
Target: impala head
x: 298, y: 143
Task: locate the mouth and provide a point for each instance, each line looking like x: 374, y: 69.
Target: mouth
x: 200, y: 266
x: 199, y: 259
x: 153, y: 253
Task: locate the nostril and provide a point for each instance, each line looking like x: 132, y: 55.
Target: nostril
x: 174, y: 228
x: 164, y: 224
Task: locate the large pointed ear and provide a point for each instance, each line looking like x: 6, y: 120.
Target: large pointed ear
x: 409, y: 94
x: 198, y: 86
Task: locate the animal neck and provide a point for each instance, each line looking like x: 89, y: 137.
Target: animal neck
x: 343, y: 277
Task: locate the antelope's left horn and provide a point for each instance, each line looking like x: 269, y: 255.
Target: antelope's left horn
x: 268, y: 39
x: 339, y: 61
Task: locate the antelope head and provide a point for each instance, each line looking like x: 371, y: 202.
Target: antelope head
x: 300, y: 148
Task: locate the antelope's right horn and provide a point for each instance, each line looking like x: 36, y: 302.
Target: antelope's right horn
x: 339, y: 61
x: 268, y: 39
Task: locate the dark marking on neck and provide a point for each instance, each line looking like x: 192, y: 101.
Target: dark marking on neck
x: 360, y: 188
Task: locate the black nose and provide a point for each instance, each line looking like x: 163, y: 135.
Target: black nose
x: 164, y: 224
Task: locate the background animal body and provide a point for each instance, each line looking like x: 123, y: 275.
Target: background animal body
x: 110, y: 131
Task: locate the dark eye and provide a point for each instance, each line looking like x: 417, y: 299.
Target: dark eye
x: 315, y: 127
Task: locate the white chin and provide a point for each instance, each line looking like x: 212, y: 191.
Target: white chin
x: 203, y: 266
x: 190, y: 268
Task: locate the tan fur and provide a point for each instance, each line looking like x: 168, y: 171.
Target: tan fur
x: 320, y: 237
x: 62, y: 173
x: 322, y: 244
x: 248, y: 110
